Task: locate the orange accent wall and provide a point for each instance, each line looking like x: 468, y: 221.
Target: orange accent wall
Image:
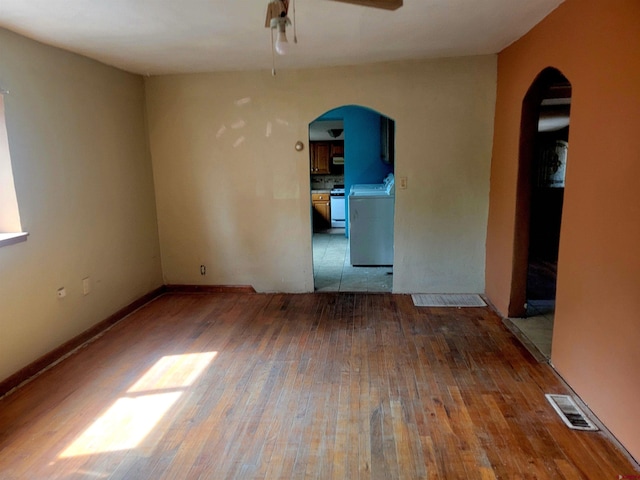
x: 596, y: 340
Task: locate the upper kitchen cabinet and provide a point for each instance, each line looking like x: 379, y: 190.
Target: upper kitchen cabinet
x: 337, y: 149
x: 320, y: 158
x: 322, y: 155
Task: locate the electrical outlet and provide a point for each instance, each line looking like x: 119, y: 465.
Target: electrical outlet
x: 62, y: 292
x: 203, y: 270
x: 402, y: 182
x: 86, y: 286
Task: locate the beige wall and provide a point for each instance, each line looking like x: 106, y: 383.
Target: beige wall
x: 85, y: 193
x: 596, y: 45
x: 233, y: 194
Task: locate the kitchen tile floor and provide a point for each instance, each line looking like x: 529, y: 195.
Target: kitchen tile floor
x: 332, y: 270
x: 538, y: 325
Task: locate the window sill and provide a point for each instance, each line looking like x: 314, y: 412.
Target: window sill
x: 11, y: 238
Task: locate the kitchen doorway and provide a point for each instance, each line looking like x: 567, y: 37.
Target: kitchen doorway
x: 544, y: 143
x: 347, y: 145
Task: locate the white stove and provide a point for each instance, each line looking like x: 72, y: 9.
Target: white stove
x: 337, y: 206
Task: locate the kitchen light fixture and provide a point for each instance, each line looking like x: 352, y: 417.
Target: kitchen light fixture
x: 335, y: 132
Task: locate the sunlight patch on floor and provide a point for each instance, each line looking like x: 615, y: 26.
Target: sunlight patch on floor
x: 174, y: 371
x: 124, y: 425
x: 133, y: 416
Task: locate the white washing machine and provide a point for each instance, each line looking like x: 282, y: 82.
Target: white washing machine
x: 387, y: 186
x: 371, y: 212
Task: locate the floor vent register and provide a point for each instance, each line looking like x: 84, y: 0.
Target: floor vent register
x: 570, y: 413
x: 447, y: 300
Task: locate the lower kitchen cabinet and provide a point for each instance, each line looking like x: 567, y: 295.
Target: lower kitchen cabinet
x: 321, y: 211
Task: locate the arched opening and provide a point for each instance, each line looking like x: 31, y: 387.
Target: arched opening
x: 352, y: 146
x: 544, y: 137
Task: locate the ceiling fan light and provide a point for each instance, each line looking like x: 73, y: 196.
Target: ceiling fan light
x: 282, y: 44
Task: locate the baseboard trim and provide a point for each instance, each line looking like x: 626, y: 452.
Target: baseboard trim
x: 58, y: 353
x: 209, y: 289
x: 53, y: 356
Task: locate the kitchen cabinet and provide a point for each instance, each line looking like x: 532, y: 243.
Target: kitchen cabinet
x: 337, y: 149
x: 320, y: 158
x: 321, y: 210
x: 322, y: 154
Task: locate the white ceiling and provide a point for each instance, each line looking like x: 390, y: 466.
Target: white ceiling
x: 181, y: 36
x: 319, y: 130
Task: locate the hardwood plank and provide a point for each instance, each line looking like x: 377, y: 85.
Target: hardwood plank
x: 241, y: 385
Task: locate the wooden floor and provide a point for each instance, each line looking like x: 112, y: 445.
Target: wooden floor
x: 345, y: 386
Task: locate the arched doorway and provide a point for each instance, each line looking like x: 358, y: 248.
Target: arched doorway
x: 544, y: 136
x: 348, y: 145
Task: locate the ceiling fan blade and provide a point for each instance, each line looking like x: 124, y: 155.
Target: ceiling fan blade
x: 386, y: 4
x: 276, y: 9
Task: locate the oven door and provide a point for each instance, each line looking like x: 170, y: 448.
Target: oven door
x: 337, y: 211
